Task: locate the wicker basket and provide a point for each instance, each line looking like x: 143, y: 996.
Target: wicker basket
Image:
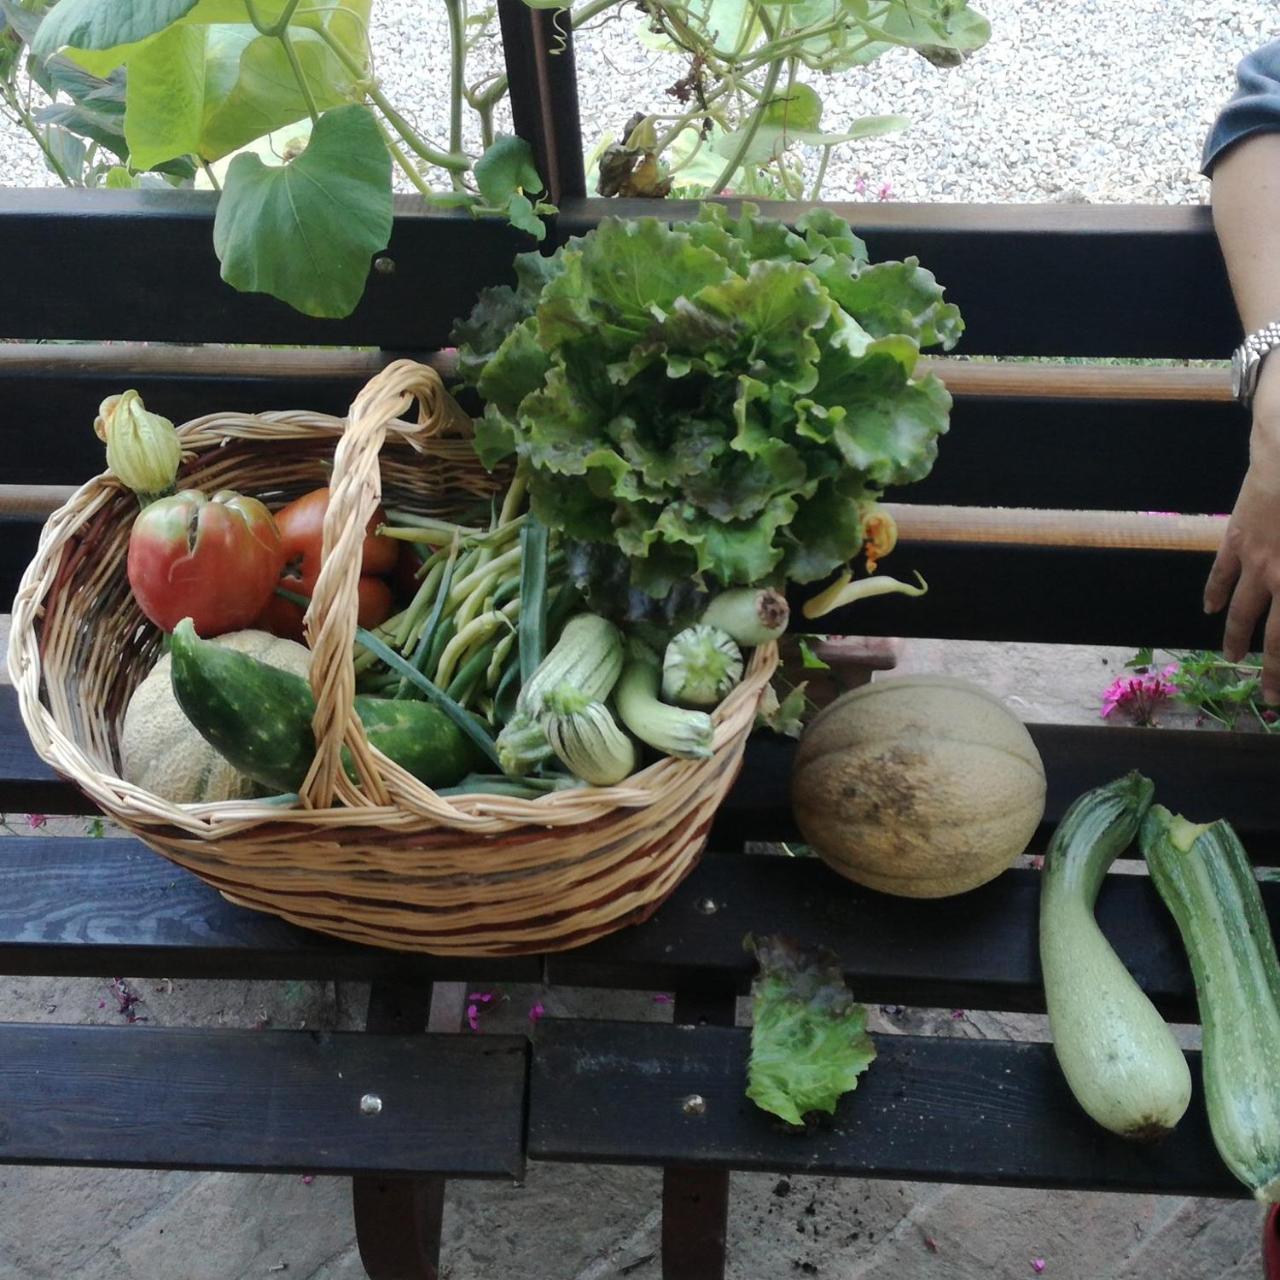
x: 385, y: 862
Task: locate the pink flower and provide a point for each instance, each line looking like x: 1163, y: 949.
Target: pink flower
x: 957, y: 1014
x: 308, y: 1179
x: 483, y: 997
x: 1037, y: 1265
x: 473, y: 1017
x: 1138, y: 696
x: 860, y: 185
x: 536, y: 1010
x: 885, y: 192
x: 37, y: 820
x: 663, y: 998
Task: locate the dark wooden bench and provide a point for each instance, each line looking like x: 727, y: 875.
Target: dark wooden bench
x: 397, y: 1108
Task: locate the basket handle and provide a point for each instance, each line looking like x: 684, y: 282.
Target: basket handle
x: 355, y: 490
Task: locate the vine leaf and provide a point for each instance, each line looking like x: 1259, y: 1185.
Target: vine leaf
x: 506, y: 174
x: 304, y: 231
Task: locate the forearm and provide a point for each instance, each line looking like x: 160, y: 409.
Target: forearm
x: 1246, y: 216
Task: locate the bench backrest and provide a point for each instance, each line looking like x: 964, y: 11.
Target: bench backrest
x: 1061, y: 281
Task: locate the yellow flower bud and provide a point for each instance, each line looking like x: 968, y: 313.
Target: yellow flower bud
x: 142, y: 448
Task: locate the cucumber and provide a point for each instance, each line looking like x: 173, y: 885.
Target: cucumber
x: 259, y: 718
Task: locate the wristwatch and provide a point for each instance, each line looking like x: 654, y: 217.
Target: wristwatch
x: 1246, y: 361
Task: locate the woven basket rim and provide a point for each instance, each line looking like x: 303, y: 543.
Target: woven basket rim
x: 478, y: 814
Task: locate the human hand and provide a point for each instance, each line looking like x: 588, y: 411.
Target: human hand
x: 1246, y: 572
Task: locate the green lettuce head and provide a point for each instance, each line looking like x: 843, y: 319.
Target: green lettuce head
x: 717, y: 402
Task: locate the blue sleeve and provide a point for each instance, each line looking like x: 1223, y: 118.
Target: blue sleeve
x: 1255, y: 108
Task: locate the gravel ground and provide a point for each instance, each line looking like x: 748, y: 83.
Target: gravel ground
x: 1084, y: 100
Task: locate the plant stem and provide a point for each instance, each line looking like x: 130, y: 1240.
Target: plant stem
x: 208, y: 173
x: 457, y: 71
x: 403, y: 161
x: 298, y: 74
x: 822, y: 173
x: 432, y: 155
x: 749, y: 133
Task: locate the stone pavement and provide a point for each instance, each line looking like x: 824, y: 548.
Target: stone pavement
x: 577, y: 1223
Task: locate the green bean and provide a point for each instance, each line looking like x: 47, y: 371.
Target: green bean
x: 501, y: 651
x: 477, y: 631
x: 470, y: 671
x: 444, y: 634
x: 422, y: 650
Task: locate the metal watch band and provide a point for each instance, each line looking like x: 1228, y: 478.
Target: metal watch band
x: 1260, y: 341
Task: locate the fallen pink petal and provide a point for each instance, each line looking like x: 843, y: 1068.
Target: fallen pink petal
x: 1037, y: 1265
x: 37, y: 820
x: 308, y: 1179
x: 536, y: 1010
x: 957, y: 1014
x: 473, y: 1017
x: 663, y: 998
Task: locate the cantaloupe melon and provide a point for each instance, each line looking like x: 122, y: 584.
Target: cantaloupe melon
x: 162, y: 751
x: 921, y: 786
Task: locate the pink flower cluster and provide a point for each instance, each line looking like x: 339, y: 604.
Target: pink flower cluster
x: 1138, y: 696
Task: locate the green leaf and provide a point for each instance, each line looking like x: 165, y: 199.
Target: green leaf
x: 497, y: 313
x: 826, y: 532
x: 66, y: 149
x: 107, y: 24
x: 799, y: 107
x: 506, y: 169
x: 521, y: 215
x: 516, y: 369
x: 810, y: 660
x: 809, y: 1042
x: 165, y: 97
x: 251, y: 88
x: 897, y: 298
x: 885, y: 426
x: 119, y: 179
x: 304, y: 232
x: 771, y: 140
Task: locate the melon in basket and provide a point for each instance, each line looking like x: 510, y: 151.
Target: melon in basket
x: 162, y: 751
x: 921, y: 786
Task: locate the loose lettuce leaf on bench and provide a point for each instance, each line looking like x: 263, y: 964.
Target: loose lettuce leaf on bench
x: 809, y: 1042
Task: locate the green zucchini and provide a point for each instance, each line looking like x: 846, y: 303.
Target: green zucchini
x: 587, y: 657
x: 259, y: 719
x: 1120, y: 1059
x: 675, y: 731
x: 586, y: 737
x: 1205, y: 878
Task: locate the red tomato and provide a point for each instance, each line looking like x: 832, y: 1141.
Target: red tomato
x: 301, y: 526
x: 213, y: 560
x: 284, y: 618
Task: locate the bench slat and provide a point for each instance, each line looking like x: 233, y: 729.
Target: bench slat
x: 86, y: 907
x: 266, y: 1101
x: 56, y: 240
x: 1088, y: 453
x: 1030, y: 279
x: 953, y: 1110
x: 1038, y: 280
x: 976, y: 951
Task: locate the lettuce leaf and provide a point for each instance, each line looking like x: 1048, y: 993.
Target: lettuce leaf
x: 720, y: 400
x: 809, y: 1042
